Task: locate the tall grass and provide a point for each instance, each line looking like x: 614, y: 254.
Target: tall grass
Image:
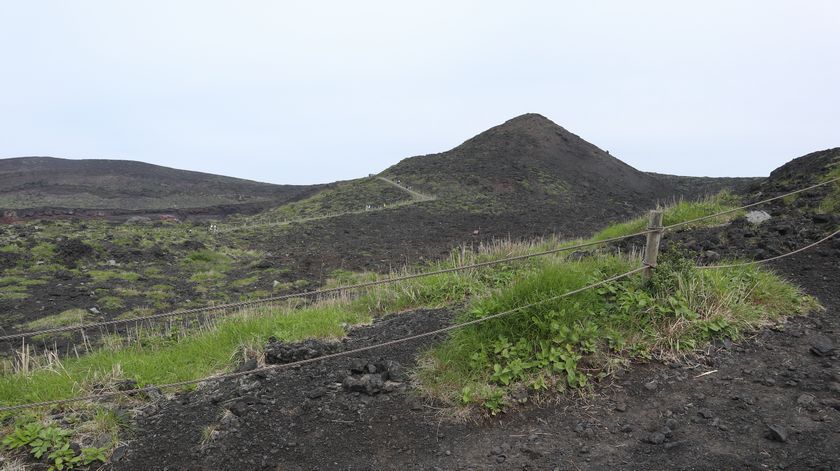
x: 564, y: 343
x: 155, y: 359
x: 678, y: 212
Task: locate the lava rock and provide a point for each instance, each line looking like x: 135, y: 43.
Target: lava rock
x: 247, y: 365
x: 277, y: 353
x: 118, y: 453
x: 822, y: 346
x: 805, y: 400
x: 655, y: 438
x: 822, y: 218
x: 777, y: 433
x: 369, y: 384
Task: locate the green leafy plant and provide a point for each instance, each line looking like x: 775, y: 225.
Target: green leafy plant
x: 54, y: 443
x: 494, y: 401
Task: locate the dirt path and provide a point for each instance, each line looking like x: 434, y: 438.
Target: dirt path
x: 654, y: 416
x: 415, y: 194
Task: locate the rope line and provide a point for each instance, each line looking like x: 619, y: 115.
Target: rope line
x: 354, y: 351
x: 756, y: 262
x: 703, y: 218
x: 256, y: 302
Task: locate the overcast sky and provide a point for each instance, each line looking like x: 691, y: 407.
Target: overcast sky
x: 307, y: 92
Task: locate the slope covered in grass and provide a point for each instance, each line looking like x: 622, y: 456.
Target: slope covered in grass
x: 561, y: 344
x: 491, y: 289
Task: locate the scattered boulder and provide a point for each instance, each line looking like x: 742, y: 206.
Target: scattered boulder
x: 247, y: 365
x: 823, y: 218
x: 777, y: 433
x: 705, y: 413
x: 374, y: 378
x: 805, y: 400
x: 369, y: 384
x: 655, y: 438
x: 118, y: 453
x: 822, y: 346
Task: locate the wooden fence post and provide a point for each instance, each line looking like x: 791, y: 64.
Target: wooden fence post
x: 653, y: 239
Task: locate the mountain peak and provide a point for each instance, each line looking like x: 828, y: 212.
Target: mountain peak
x: 524, y: 132
x: 529, y: 122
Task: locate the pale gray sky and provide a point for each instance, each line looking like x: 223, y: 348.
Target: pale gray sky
x: 306, y: 92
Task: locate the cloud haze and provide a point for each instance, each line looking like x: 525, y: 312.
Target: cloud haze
x: 306, y: 92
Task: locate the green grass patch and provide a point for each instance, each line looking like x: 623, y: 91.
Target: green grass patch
x: 12, y: 295
x: 680, y: 212
x: 161, y: 361
x: 246, y: 282
x: 43, y: 251
x: 11, y: 248
x: 207, y: 277
x: 831, y: 203
x: 111, y: 303
x: 207, y: 260
x: 563, y: 344
x: 64, y: 319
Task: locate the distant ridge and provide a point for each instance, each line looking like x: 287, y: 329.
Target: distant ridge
x: 36, y: 182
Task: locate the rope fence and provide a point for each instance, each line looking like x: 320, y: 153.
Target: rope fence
x: 756, y: 262
x: 320, y: 358
x: 653, y: 234
x: 746, y: 206
x: 320, y: 292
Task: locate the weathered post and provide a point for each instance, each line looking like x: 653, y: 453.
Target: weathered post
x: 653, y: 239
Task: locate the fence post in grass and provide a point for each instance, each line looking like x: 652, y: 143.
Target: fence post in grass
x: 653, y: 239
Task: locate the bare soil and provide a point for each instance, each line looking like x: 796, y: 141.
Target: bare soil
x: 771, y: 401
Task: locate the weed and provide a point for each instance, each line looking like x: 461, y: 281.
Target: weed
x: 111, y: 303
x: 43, y: 251
x: 63, y: 319
x: 52, y: 441
x: 831, y: 202
x: 681, y: 307
x: 246, y: 282
x: 207, y: 260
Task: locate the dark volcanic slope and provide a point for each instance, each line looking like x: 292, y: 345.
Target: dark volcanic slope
x: 34, y: 182
x: 768, y: 401
x: 531, y: 160
x: 525, y: 178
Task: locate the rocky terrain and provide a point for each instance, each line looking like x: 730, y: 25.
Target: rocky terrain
x: 771, y: 401
x: 523, y: 179
x: 768, y: 401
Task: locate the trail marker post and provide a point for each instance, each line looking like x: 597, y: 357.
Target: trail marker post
x: 653, y: 239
